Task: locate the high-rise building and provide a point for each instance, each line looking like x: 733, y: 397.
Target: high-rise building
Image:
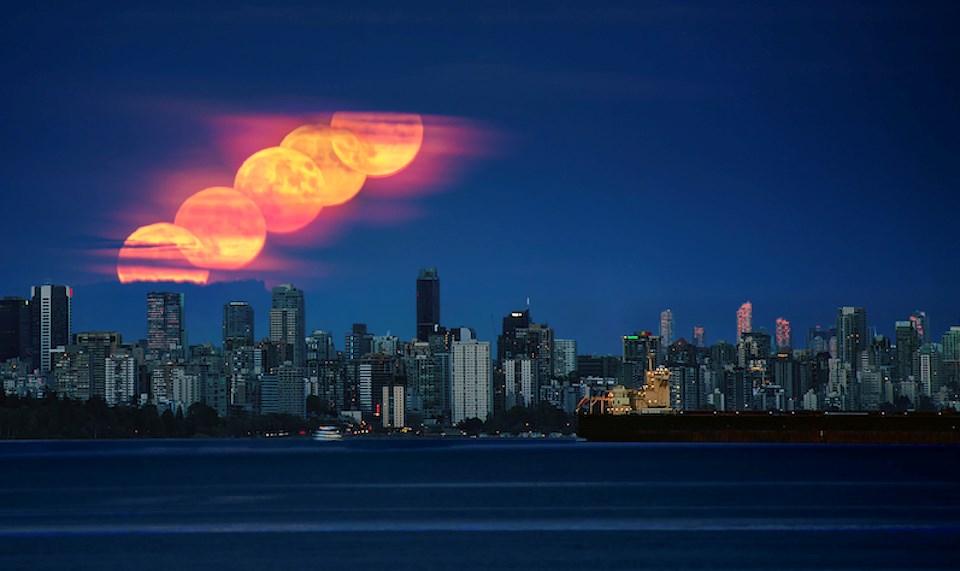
x: 564, y: 357
x: 951, y: 356
x: 166, y: 334
x: 428, y: 303
x: 667, y: 336
x: 52, y: 322
x: 99, y: 346
x: 237, y: 325
x: 699, y: 336
x: 818, y: 339
x: 358, y: 342
x: 507, y: 345
x: 520, y: 378
x: 784, y: 335
x: 908, y: 341
x: 922, y: 324
x: 288, y: 324
x: 15, y: 341
x: 120, y: 379
x: 927, y: 366
x: 744, y: 319
x: 852, y: 336
x: 471, y: 380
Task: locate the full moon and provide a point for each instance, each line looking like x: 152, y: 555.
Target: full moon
x: 316, y: 141
x: 385, y: 142
x: 154, y: 253
x: 229, y: 225
x: 287, y: 186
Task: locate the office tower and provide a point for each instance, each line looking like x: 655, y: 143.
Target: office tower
x: 951, y: 356
x: 166, y: 334
x: 699, y: 336
x: 358, y: 342
x: 564, y: 357
x: 908, y: 341
x: 428, y: 386
x: 320, y: 347
x: 237, y: 325
x: 852, y: 337
x: 428, y: 303
x: 471, y: 389
x: 374, y: 373
x: 15, y: 339
x: 922, y: 324
x: 927, y: 367
x: 667, y: 328
x: 784, y: 335
x: 288, y: 324
x: 818, y: 339
x: 753, y: 346
x: 51, y: 321
x: 98, y: 346
x: 744, y: 319
x: 507, y: 345
x: 385, y: 344
x: 120, y: 379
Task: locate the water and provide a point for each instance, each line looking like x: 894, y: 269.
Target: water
x: 476, y: 504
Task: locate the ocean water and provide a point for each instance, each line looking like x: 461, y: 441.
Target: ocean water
x: 476, y: 504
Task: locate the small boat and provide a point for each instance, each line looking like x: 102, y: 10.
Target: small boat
x: 327, y: 433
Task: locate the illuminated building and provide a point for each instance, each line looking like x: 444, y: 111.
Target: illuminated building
x: 358, y: 342
x: 818, y: 339
x: 564, y: 357
x: 288, y: 324
x: 951, y: 356
x: 51, y: 321
x: 641, y: 353
x: 471, y: 394
x: 783, y: 335
x: 922, y: 324
x: 283, y: 392
x: 667, y: 328
x: 927, y: 366
x: 166, y: 337
x: 744, y: 319
x: 120, y: 379
x: 393, y: 407
x: 237, y: 325
x: 699, y: 336
x: 428, y: 303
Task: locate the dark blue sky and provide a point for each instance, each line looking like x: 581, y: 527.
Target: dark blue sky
x: 690, y: 155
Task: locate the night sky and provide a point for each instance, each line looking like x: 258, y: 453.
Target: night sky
x: 622, y: 158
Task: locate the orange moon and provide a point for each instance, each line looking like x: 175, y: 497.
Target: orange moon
x: 154, y: 253
x: 287, y: 186
x: 316, y: 141
x: 228, y: 224
x: 386, y: 142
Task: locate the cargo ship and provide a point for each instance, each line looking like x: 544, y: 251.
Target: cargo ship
x: 779, y: 427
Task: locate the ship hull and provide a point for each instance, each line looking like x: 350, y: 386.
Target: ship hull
x: 775, y: 428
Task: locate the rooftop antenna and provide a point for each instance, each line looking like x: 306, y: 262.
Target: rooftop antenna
x: 528, y: 302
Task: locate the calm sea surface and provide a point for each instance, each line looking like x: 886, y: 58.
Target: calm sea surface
x: 476, y: 504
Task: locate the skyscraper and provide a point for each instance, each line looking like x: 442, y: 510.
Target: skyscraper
x: 851, y: 335
x: 98, y: 346
x: 784, y: 335
x: 666, y: 328
x: 471, y: 380
x: 166, y: 334
x: 564, y: 357
x: 922, y: 325
x: 744, y: 319
x: 15, y: 338
x: 699, y: 336
x: 51, y: 309
x: 288, y: 323
x: 428, y: 303
x: 237, y: 325
x: 908, y: 341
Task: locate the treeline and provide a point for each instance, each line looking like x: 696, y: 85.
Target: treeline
x: 544, y: 418
x: 50, y: 417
